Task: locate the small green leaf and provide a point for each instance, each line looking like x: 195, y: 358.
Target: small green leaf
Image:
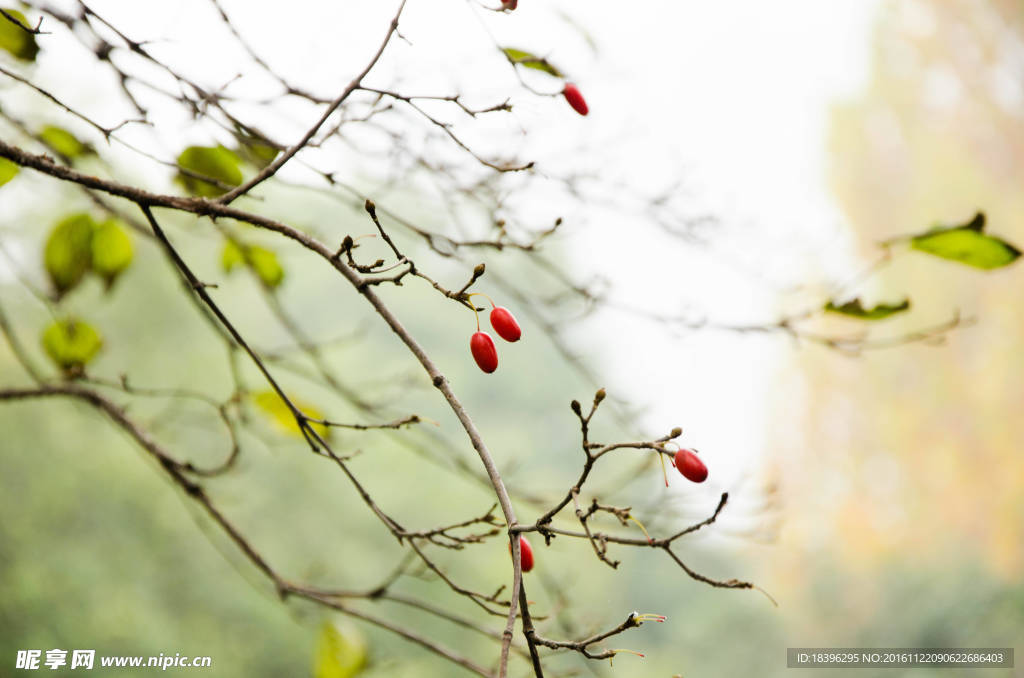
x: 231, y: 256
x: 282, y: 416
x: 8, y: 170
x: 967, y: 244
x: 262, y: 261
x: 254, y: 148
x: 855, y: 309
x: 71, y: 343
x: 255, y: 152
x: 341, y: 652
x: 260, y: 155
x: 68, y: 252
x: 64, y: 142
x: 16, y: 39
x: 266, y: 265
x: 529, y: 60
x: 213, y: 162
x: 112, y: 250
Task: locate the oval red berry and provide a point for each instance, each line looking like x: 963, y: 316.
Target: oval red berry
x: 484, y: 353
x: 690, y: 465
x: 575, y: 99
x: 504, y: 323
x: 525, y: 554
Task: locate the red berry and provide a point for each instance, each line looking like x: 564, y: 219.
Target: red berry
x: 525, y: 554
x: 690, y: 465
x: 484, y: 353
x: 504, y: 323
x: 575, y: 99
x: 509, y: 4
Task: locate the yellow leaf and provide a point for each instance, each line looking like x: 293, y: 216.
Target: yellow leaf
x: 281, y: 415
x: 341, y: 652
x: 231, y: 256
x: 8, y: 170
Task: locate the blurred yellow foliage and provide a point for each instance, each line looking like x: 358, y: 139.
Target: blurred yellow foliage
x: 914, y: 454
x: 272, y: 404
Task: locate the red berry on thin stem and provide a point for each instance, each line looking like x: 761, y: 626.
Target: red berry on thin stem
x: 484, y: 353
x: 525, y: 554
x: 509, y: 4
x: 504, y: 323
x: 575, y: 99
x: 690, y: 465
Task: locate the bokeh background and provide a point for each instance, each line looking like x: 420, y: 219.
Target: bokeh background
x: 877, y: 498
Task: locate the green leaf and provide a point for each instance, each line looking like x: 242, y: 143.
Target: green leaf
x: 341, y: 652
x: 855, y: 309
x: 529, y: 60
x: 8, y: 170
x: 213, y: 162
x: 71, y: 343
x: 231, y: 256
x: 281, y: 414
x: 15, y: 39
x: 254, y: 148
x: 255, y: 152
x: 112, y: 250
x: 64, y: 142
x: 266, y: 265
x: 262, y: 261
x: 68, y: 252
x: 967, y: 244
